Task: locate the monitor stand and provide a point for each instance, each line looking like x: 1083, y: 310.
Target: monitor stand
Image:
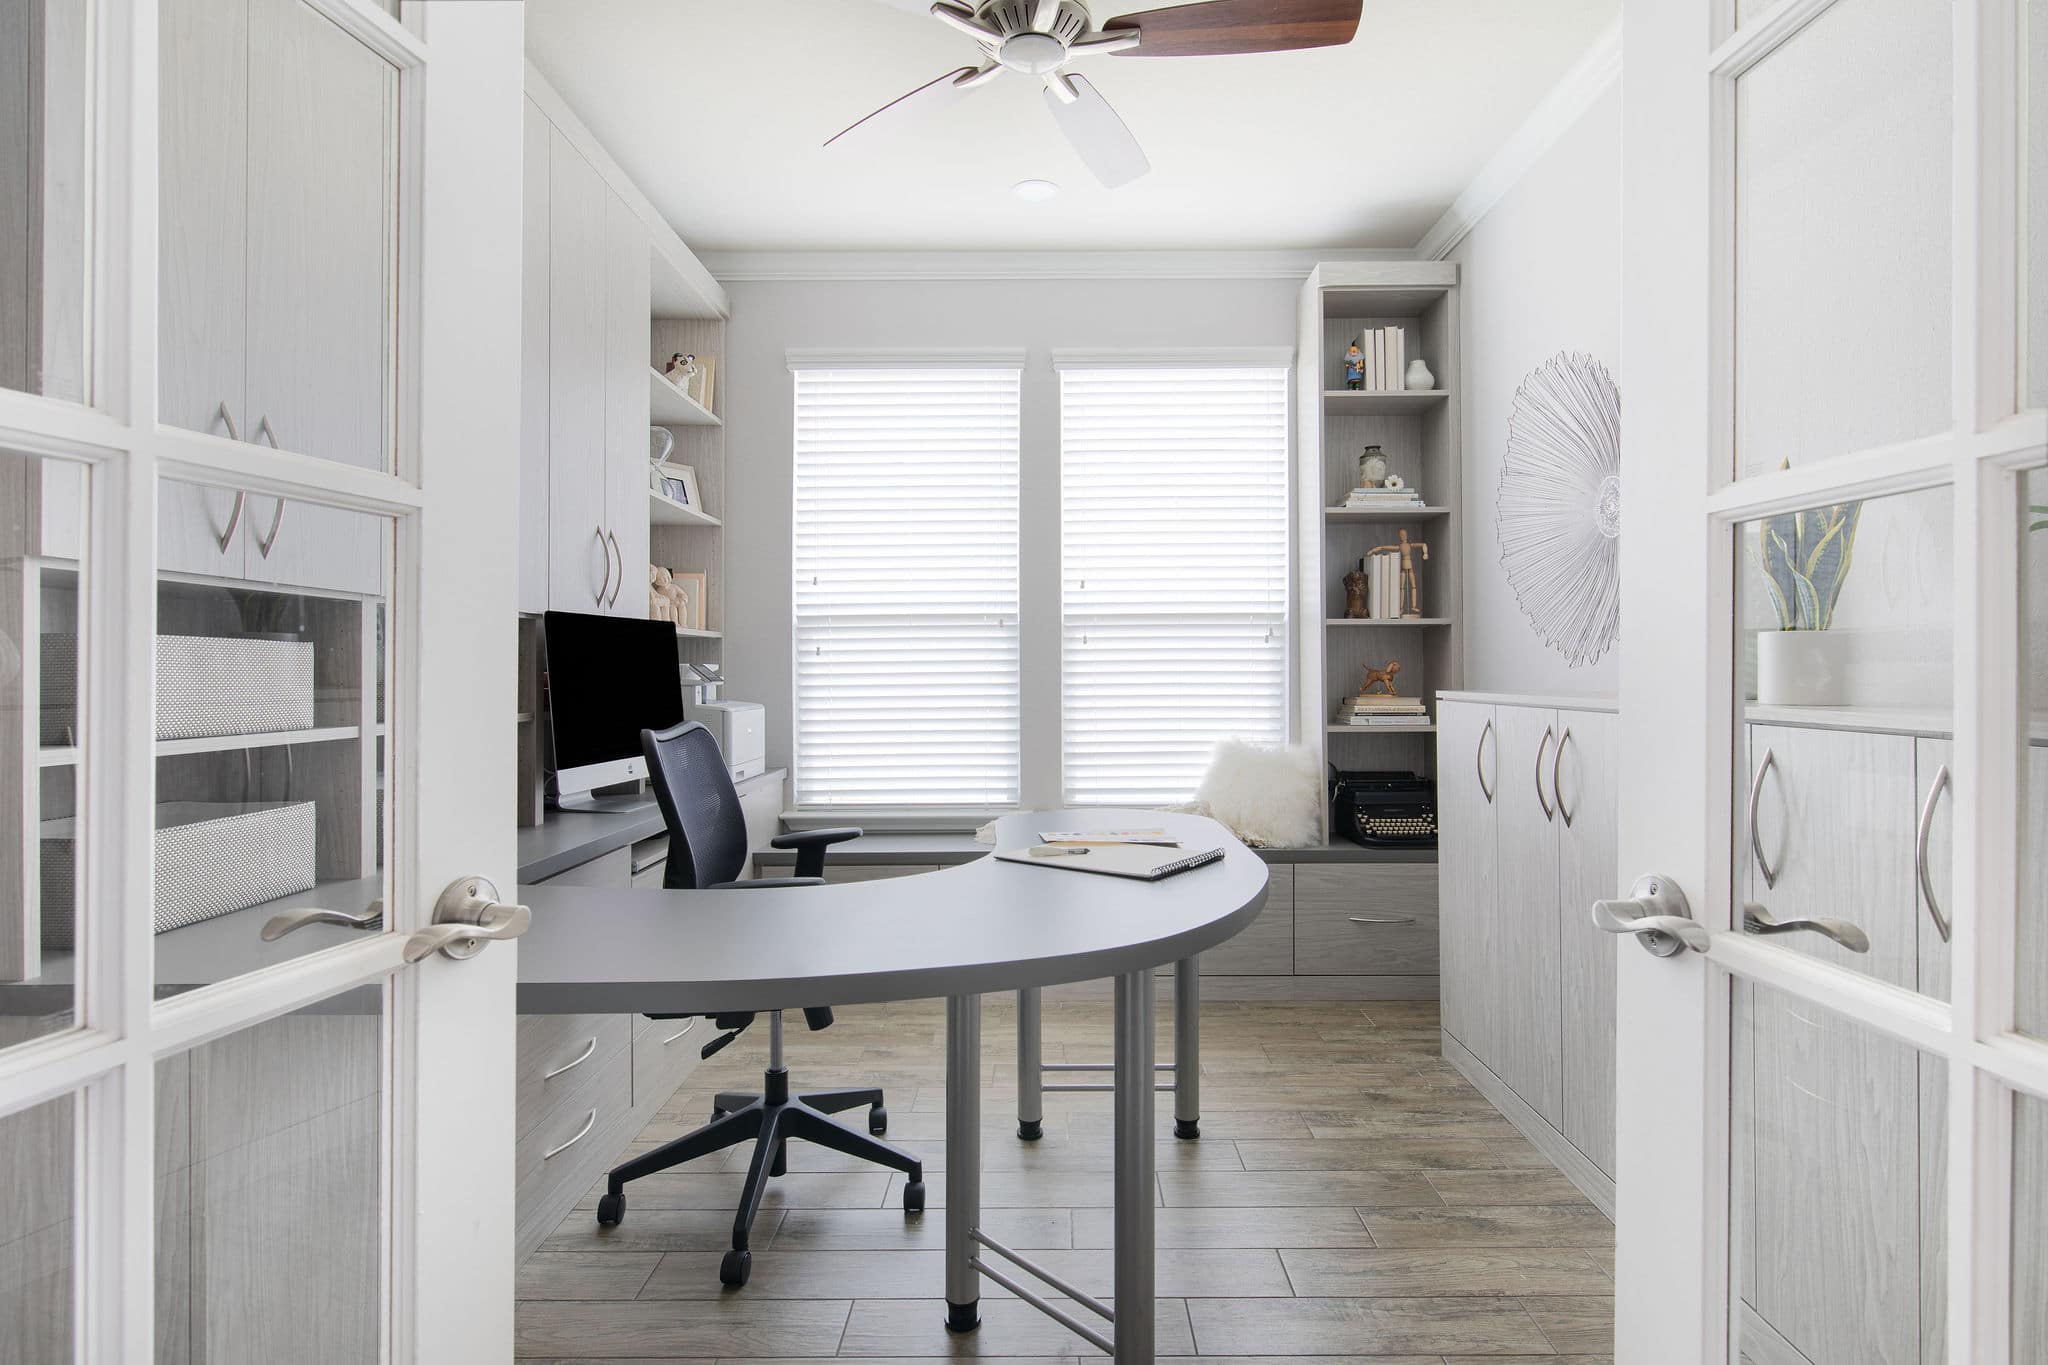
x: 626, y: 803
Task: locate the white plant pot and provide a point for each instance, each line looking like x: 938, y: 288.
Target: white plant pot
x: 1892, y: 666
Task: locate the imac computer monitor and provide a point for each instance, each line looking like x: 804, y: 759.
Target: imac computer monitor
x: 608, y: 678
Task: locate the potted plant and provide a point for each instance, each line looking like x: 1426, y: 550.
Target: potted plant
x: 1804, y: 558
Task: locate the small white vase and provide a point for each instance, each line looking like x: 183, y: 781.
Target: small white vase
x: 1418, y: 376
x: 1800, y: 668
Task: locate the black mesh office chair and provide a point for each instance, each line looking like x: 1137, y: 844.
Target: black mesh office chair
x: 707, y: 850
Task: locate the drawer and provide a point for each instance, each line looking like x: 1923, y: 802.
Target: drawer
x: 665, y: 1051
x: 1265, y: 947
x: 649, y: 863
x: 613, y: 869
x: 567, y: 1127
x: 551, y: 1042
x: 863, y: 872
x: 1371, y: 919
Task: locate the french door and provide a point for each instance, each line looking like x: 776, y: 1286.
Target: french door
x: 1833, y: 1104
x: 259, y: 319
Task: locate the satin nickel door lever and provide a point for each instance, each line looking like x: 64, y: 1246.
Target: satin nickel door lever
x: 466, y: 916
x: 1657, y: 913
x: 1757, y: 920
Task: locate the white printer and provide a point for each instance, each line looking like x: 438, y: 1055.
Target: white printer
x: 739, y: 727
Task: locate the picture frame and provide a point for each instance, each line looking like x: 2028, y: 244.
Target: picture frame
x: 693, y: 587
x: 670, y: 476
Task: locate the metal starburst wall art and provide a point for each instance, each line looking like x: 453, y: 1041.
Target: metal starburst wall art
x: 1559, y: 505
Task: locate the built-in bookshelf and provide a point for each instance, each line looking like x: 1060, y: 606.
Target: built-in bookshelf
x: 1418, y: 433
x: 684, y: 539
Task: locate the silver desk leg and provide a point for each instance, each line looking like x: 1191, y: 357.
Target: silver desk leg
x: 1187, y: 1048
x: 963, y: 1161
x: 1030, y: 1053
x: 1133, y: 1213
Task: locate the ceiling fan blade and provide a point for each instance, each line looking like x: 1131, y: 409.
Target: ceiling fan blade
x: 1220, y: 27
x: 1105, y: 145
x: 926, y: 98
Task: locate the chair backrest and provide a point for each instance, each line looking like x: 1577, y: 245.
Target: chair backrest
x: 707, y: 829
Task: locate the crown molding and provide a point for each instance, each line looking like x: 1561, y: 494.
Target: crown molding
x: 1032, y: 265
x: 1570, y: 98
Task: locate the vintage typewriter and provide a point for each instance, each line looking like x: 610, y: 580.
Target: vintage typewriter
x: 1384, y: 809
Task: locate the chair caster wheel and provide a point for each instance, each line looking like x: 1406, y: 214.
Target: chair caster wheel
x: 913, y: 1197
x: 611, y: 1210
x: 878, y: 1120
x: 735, y: 1267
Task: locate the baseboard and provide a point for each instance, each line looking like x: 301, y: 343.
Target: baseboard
x: 1578, y: 1168
x: 1273, y: 988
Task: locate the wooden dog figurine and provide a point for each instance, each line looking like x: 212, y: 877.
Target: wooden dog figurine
x: 1381, y: 677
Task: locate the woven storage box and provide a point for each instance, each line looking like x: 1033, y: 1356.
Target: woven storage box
x: 207, y: 686
x: 211, y: 859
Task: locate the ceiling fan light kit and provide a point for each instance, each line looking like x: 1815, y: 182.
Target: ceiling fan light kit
x: 1040, y: 38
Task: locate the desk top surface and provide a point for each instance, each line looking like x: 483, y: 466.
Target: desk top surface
x: 983, y: 926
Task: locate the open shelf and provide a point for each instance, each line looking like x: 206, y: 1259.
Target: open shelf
x: 666, y: 511
x: 669, y: 406
x: 1382, y: 729
x: 1381, y: 402
x: 1387, y: 621
x: 67, y: 755
x: 1384, y: 513
x: 688, y: 634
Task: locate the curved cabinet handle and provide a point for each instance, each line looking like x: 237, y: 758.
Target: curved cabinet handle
x: 1479, y: 759
x: 465, y: 917
x: 1756, y: 847
x: 280, y: 925
x: 1657, y: 913
x: 581, y: 1133
x: 227, y: 420
x: 581, y: 1058
x: 1557, y: 762
x: 601, y: 588
x: 263, y: 543
x: 1381, y: 919
x: 1549, y: 733
x: 620, y: 555
x: 1926, y: 827
x: 1757, y: 920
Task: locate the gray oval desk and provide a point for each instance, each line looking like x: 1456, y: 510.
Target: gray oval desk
x: 959, y: 933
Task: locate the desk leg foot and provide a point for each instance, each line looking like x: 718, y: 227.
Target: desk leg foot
x: 1187, y: 1048
x: 1132, y: 1218
x: 963, y: 1317
x: 1030, y: 1055
x: 963, y: 1161
x: 1187, y: 1128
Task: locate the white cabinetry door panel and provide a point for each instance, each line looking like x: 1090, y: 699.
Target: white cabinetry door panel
x: 1522, y: 965
x: 190, y: 521
x: 579, y: 557
x: 533, y: 386
x: 1466, y: 750
x: 323, y: 122
x: 625, y: 408
x: 1586, y: 775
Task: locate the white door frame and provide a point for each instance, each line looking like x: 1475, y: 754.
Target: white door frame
x: 448, y: 1113
x: 1679, y: 701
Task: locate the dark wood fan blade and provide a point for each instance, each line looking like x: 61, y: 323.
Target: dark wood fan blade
x: 1222, y: 27
x: 926, y: 98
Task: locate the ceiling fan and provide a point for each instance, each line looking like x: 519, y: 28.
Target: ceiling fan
x: 1041, y: 38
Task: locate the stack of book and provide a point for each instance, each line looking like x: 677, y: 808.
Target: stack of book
x: 1382, y: 585
x: 1382, y: 498
x: 1385, y: 353
x: 1378, y: 709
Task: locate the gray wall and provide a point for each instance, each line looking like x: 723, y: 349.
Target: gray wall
x: 1541, y: 274
x: 770, y: 317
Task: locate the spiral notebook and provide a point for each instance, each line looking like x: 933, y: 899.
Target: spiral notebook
x: 1137, y: 861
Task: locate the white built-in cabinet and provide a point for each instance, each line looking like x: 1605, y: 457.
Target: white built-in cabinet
x: 1526, y: 814
x: 584, y: 449
x: 278, y: 226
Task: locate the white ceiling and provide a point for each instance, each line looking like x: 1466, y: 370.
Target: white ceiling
x: 717, y: 109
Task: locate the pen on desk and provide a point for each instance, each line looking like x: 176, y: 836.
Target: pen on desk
x: 1050, y: 851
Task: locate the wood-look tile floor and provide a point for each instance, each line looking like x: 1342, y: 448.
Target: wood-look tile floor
x: 1351, y: 1197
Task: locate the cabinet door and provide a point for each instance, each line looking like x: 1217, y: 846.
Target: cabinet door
x: 533, y: 367
x: 1586, y: 774
x: 625, y: 407
x: 202, y: 224
x: 579, y: 558
x: 1524, y: 970
x: 1467, y: 771
x: 323, y: 220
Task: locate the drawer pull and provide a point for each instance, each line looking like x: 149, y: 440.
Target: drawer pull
x: 1756, y: 847
x: 1479, y: 759
x: 1549, y: 812
x: 581, y: 1133
x: 1381, y: 919
x: 1941, y: 782
x: 679, y: 1033
x: 581, y: 1058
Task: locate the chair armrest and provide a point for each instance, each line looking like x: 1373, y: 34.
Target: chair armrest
x: 810, y: 846
x: 766, y: 881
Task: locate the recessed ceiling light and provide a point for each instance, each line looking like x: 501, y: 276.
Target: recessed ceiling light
x: 1035, y: 191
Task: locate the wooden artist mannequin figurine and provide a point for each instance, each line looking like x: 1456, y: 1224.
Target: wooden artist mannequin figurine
x: 1408, y: 548
x: 1354, y: 593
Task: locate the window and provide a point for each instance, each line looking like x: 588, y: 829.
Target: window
x: 1173, y: 517
x: 906, y: 587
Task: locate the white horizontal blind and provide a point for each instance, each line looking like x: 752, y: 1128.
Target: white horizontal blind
x: 905, y: 531
x: 1173, y: 516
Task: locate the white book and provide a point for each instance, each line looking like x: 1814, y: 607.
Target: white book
x: 1113, y: 860
x: 1157, y: 837
x: 1399, y: 378
x: 1391, y: 576
x: 1372, y: 588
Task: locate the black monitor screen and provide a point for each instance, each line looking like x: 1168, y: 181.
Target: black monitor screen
x: 609, y: 678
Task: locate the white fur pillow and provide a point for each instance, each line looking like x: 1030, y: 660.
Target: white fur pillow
x: 1268, y: 797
